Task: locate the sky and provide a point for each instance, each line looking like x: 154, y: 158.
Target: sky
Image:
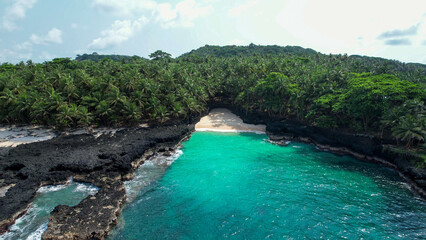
x: 41, y: 30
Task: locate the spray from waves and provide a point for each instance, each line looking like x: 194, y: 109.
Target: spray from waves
x: 52, y: 188
x: 37, y: 233
x: 86, y: 188
x: 148, y: 172
x: 151, y: 170
x: 33, y: 224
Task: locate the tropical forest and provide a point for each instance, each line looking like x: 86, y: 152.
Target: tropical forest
x: 164, y: 110
x: 355, y: 93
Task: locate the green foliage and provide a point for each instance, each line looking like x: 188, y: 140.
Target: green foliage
x: 410, y: 129
x: 157, y: 55
x: 67, y: 93
x: 407, y: 121
x: 335, y: 91
x: 97, y: 57
x: 367, y: 97
x: 250, y: 50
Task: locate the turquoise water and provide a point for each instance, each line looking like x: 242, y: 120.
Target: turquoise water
x: 239, y: 186
x: 32, y: 225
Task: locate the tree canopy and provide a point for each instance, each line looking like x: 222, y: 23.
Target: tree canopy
x: 157, y: 55
x: 359, y: 94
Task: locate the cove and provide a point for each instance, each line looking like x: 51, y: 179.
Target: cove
x: 240, y: 186
x: 34, y: 222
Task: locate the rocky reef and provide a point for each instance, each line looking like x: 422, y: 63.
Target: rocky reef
x: 105, y: 161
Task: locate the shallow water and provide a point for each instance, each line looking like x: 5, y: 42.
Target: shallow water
x: 32, y: 225
x: 239, y: 186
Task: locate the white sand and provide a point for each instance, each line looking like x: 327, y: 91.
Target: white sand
x: 11, y: 136
x: 223, y: 120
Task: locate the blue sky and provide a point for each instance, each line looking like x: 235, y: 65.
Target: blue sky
x: 44, y: 29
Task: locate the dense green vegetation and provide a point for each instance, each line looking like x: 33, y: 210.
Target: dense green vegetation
x: 96, y: 57
x: 246, y: 51
x: 361, y: 94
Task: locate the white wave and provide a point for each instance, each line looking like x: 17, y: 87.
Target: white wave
x: 22, y: 225
x: 36, y: 235
x: 81, y: 187
x: 165, y: 160
x: 151, y: 170
x: 34, y: 222
x: 51, y: 188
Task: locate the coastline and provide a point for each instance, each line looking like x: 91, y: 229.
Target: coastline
x: 105, y: 161
x: 362, y: 147
x: 112, y: 158
x: 223, y: 120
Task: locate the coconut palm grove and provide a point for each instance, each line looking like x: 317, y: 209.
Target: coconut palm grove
x: 355, y: 93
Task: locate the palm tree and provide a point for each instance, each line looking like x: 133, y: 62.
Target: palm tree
x: 66, y: 115
x: 85, y: 118
x: 132, y: 112
x: 103, y: 111
x: 410, y: 129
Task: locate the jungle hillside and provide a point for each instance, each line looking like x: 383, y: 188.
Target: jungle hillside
x: 358, y: 94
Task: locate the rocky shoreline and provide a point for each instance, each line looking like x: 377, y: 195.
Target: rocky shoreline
x: 363, y: 147
x: 108, y: 160
x: 105, y: 161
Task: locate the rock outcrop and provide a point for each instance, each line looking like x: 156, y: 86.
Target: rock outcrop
x: 105, y: 161
x: 360, y: 146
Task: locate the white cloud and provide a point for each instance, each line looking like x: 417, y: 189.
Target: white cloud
x: 53, y: 36
x: 335, y: 26
x: 124, y: 7
x: 240, y: 9
x: 23, y: 46
x: 165, y: 13
x: 119, y: 32
x: 182, y: 14
x: 13, y: 56
x: 23, y: 51
x: 15, y: 12
x: 186, y: 12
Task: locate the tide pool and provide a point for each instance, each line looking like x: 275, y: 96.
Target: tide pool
x: 34, y: 222
x: 239, y: 186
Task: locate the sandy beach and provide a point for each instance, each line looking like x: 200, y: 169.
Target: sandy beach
x: 12, y: 136
x: 223, y: 120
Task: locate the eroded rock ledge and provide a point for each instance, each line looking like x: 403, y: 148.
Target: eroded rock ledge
x: 105, y: 161
x: 363, y: 147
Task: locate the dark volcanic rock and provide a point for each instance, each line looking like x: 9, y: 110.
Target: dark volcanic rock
x: 361, y: 146
x: 364, y: 147
x: 92, y: 218
x: 104, y: 161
